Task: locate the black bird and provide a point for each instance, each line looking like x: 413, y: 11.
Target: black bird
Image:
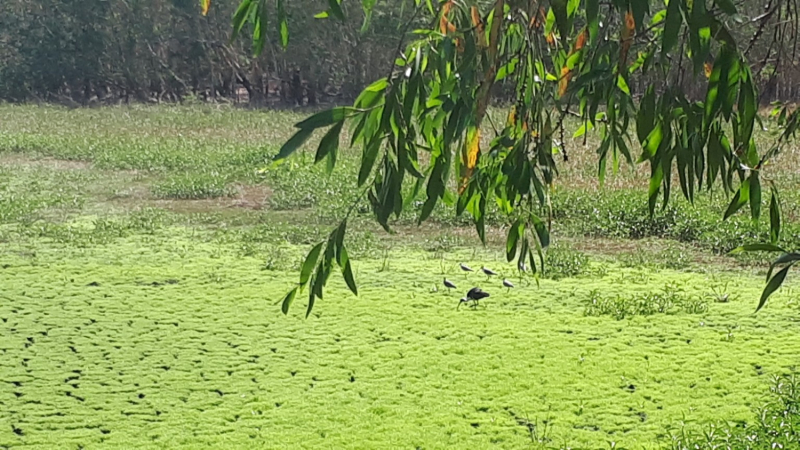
x: 489, y: 272
x: 449, y: 284
x: 508, y: 284
x: 474, y: 295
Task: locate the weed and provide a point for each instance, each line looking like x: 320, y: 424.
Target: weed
x: 193, y: 186
x: 720, y: 292
x: 624, y: 214
x: 564, y: 262
x: 442, y: 244
x: 670, y: 300
x: 776, y: 424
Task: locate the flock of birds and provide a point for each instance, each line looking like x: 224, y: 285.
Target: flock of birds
x: 476, y: 294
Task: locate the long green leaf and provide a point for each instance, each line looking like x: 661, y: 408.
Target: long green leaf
x: 324, y: 118
x: 717, y: 86
x: 756, y: 248
x: 512, y: 240
x: 319, y: 280
x: 747, y: 107
x: 378, y: 85
x: 672, y: 26
x: 541, y: 231
x: 338, y: 241
x: 652, y: 142
x: 347, y: 271
x: 740, y: 199
x: 773, y: 285
x: 645, y: 119
x: 309, y: 263
x: 283, y: 24
x: 367, y: 6
x: 311, y: 299
x: 287, y: 301
x: 783, y: 259
x: 329, y: 143
x: 240, y: 17
x: 336, y: 9
x: 726, y: 6
x: 755, y: 195
x: 774, y: 217
x: 293, y: 144
x: 261, y: 20
x: 656, y: 178
x: 592, y: 18
x: 368, y: 159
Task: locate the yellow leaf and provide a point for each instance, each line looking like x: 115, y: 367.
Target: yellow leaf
x: 626, y: 39
x: 445, y: 26
x: 478, y: 24
x: 563, y: 81
x: 512, y: 116
x: 581, y: 41
x: 470, y: 156
x: 708, y: 67
x: 538, y: 20
x: 204, y: 5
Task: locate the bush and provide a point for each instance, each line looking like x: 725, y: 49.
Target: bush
x: 563, y: 262
x: 670, y: 300
x: 624, y: 214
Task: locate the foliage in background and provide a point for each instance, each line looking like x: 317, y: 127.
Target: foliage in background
x: 108, y: 51
x: 422, y: 123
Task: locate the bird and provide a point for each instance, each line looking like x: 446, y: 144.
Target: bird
x: 449, y: 284
x: 489, y: 272
x: 474, y: 295
x: 465, y: 268
x: 507, y: 284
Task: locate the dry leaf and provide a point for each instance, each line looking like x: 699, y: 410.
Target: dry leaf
x: 563, y: 81
x: 470, y: 156
x: 626, y: 39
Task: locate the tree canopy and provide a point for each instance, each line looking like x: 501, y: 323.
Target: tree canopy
x: 422, y: 122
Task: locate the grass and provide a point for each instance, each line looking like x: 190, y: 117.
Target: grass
x: 174, y: 339
x: 143, y: 254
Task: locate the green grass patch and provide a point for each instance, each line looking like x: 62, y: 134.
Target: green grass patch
x: 193, y: 186
x: 175, y: 332
x: 131, y: 317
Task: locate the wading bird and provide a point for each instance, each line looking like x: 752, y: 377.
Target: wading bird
x: 449, y: 284
x: 465, y: 268
x: 507, y: 284
x: 474, y: 295
x: 489, y: 272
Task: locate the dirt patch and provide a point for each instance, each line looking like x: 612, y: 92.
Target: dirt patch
x: 251, y: 197
x: 21, y: 160
x: 139, y: 195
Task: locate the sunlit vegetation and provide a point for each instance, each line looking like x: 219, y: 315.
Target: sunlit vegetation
x: 134, y: 318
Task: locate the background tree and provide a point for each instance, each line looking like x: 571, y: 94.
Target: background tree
x: 563, y: 58
x: 90, y: 52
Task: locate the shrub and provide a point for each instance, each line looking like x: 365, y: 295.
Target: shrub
x: 776, y: 424
x: 193, y: 186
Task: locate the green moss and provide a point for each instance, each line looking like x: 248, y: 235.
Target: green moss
x: 174, y: 339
